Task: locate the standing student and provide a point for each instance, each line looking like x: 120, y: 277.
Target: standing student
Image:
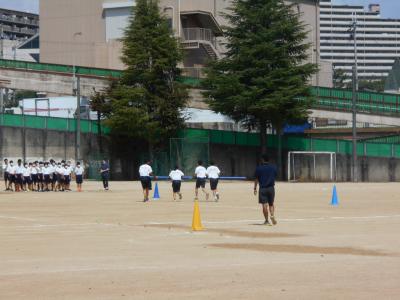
x: 60, y: 177
x: 213, y: 174
x: 265, y: 176
x: 34, y: 175
x: 201, y: 175
x: 176, y: 177
x: 145, y: 173
x: 27, y: 177
x: 53, y: 175
x: 79, y: 176
x: 105, y: 173
x: 46, y: 176
x: 40, y: 176
x: 5, y: 173
x: 11, y: 173
x: 19, y: 176
x: 67, y: 177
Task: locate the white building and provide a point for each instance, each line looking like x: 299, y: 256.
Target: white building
x: 378, y: 39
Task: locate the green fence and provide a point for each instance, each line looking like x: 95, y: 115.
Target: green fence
x: 50, y: 123
x: 295, y: 143
x: 84, y: 71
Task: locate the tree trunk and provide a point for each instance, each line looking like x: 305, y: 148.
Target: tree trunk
x: 263, y: 137
x: 100, y: 137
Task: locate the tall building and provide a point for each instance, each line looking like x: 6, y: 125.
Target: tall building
x: 378, y: 39
x: 87, y: 32
x: 18, y: 25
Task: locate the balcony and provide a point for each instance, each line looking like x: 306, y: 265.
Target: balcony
x: 194, y: 38
x: 194, y: 72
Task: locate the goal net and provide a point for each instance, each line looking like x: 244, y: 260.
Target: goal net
x: 311, y: 166
x: 185, y: 152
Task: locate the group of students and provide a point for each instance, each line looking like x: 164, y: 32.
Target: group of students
x: 176, y: 175
x: 41, y: 176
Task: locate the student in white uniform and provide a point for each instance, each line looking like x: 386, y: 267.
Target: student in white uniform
x: 213, y: 174
x: 176, y: 177
x: 12, y: 172
x: 35, y: 177
x: 18, y: 176
x: 79, y: 170
x: 145, y: 173
x: 5, y: 173
x: 40, y: 176
x: 53, y: 175
x: 27, y: 177
x: 201, y: 175
x: 67, y: 177
x: 60, y: 177
x: 46, y: 176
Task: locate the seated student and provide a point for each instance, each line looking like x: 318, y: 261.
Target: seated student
x: 5, y: 173
x: 27, y: 177
x: 145, y: 172
x: 34, y: 175
x: 79, y: 176
x: 213, y: 174
x: 176, y: 177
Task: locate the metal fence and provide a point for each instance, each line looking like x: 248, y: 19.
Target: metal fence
x: 198, y: 34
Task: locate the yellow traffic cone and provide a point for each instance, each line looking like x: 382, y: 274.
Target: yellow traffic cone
x: 196, y: 224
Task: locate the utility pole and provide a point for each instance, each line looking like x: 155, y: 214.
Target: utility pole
x: 78, y: 120
x: 354, y: 102
x: 1, y: 42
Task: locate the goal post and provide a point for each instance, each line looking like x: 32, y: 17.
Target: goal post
x: 311, y: 165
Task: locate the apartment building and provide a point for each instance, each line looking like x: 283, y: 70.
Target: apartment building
x: 87, y: 32
x: 18, y: 25
x: 377, y: 39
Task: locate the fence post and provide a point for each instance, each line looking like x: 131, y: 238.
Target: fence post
x: 311, y: 144
x: 392, y: 150
x: 365, y: 149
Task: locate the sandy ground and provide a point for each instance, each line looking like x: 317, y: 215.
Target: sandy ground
x: 110, y: 245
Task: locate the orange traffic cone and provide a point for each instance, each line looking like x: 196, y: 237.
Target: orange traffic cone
x: 196, y: 223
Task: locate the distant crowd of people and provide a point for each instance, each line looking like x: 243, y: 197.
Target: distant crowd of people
x: 41, y: 176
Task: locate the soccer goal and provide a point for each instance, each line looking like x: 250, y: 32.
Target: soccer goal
x: 311, y: 166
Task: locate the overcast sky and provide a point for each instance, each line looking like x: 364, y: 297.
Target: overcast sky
x: 390, y: 8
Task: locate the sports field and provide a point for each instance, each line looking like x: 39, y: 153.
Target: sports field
x: 110, y: 245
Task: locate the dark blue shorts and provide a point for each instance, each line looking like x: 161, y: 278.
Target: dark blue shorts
x: 27, y: 180
x: 79, y: 179
x: 200, y: 183
x: 214, y: 183
x: 146, y: 182
x: 67, y: 179
x: 176, y: 186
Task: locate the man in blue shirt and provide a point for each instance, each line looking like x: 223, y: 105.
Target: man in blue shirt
x: 105, y: 173
x: 265, y: 176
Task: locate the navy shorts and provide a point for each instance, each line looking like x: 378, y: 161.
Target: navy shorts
x: 67, y: 179
x: 213, y: 183
x: 200, y: 183
x: 46, y: 178
x: 146, y: 182
x: 54, y: 178
x: 27, y: 180
x: 35, y: 178
x: 79, y: 179
x: 40, y: 177
x: 11, y: 178
x: 6, y: 175
x: 176, y: 186
x: 266, y: 195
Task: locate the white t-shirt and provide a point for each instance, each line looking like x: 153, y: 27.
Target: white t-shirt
x: 19, y: 169
x: 145, y: 170
x: 200, y: 172
x: 176, y: 175
x: 12, y: 170
x: 27, y: 172
x: 34, y: 170
x: 79, y: 170
x: 46, y: 171
x: 213, y: 172
x: 52, y: 169
x: 5, y: 168
x: 67, y: 171
x: 40, y: 169
x: 60, y: 170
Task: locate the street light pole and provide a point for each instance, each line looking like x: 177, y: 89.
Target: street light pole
x: 76, y: 92
x: 354, y: 103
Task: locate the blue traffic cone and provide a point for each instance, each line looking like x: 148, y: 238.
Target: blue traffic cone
x: 335, y: 199
x: 156, y: 195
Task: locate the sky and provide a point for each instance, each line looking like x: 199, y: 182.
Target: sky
x: 390, y: 8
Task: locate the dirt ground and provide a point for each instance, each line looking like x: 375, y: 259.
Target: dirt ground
x: 110, y: 245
